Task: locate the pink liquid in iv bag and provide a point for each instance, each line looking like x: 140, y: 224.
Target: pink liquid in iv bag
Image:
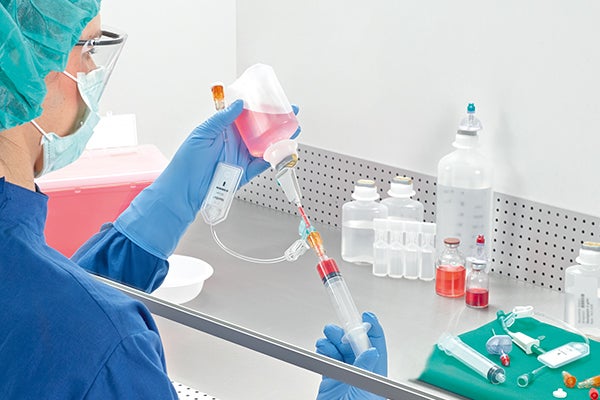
x: 260, y: 130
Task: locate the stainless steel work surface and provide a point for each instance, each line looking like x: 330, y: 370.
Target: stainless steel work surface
x: 288, y: 302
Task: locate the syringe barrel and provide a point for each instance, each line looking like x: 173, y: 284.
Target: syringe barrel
x: 456, y: 348
x: 343, y: 304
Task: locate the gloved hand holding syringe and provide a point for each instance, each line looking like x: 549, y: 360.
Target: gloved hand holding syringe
x: 355, y: 330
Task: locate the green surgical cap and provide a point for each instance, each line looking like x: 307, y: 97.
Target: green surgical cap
x: 36, y: 37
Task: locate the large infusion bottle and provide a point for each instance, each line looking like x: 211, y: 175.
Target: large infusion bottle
x: 399, y: 204
x: 464, y: 188
x: 357, y: 222
x: 582, y: 290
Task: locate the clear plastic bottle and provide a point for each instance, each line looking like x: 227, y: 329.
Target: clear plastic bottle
x: 582, y: 290
x: 464, y: 188
x: 399, y: 204
x: 357, y: 222
x: 477, y: 284
x: 450, y: 270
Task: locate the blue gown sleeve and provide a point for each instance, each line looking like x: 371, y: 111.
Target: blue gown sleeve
x: 112, y: 255
x: 134, y: 370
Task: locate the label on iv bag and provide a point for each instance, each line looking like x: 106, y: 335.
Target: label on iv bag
x: 564, y: 354
x: 220, y: 194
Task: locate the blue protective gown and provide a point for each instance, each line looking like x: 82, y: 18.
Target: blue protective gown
x: 64, y: 335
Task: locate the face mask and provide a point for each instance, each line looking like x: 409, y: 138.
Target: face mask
x: 62, y: 151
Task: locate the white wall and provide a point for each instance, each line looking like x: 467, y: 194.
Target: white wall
x: 389, y: 80
x: 174, y: 52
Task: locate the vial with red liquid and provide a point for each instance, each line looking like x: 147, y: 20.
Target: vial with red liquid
x: 450, y: 270
x: 477, y: 285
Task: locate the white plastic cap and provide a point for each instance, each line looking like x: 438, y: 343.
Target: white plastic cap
x: 277, y: 152
x: 559, y: 393
x: 365, y: 190
x: 401, y: 186
x: 589, y: 254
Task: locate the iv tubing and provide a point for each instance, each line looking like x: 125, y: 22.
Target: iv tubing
x: 506, y: 320
x: 243, y: 257
x: 528, y: 377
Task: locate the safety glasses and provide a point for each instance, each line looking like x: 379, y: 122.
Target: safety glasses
x: 102, y: 51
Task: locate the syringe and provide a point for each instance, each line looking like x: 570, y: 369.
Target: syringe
x: 594, y: 381
x: 453, y: 346
x: 341, y: 299
x: 355, y: 329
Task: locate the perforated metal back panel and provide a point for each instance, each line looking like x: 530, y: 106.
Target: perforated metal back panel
x: 532, y: 242
x: 535, y: 242
x: 184, y: 392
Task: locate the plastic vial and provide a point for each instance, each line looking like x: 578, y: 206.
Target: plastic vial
x: 412, y: 252
x: 478, y: 252
x: 357, y: 222
x: 218, y: 95
x: 464, y: 188
x: 450, y: 270
x: 380, y: 247
x: 582, y: 290
x: 396, y: 250
x: 477, y: 285
x: 399, y: 204
x: 427, y: 270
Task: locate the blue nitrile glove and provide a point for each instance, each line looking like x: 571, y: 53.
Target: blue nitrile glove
x: 157, y: 218
x: 373, y: 359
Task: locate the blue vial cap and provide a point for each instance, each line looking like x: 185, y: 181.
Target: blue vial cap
x: 471, y: 108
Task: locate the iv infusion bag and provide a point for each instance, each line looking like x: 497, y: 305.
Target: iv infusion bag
x: 221, y: 192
